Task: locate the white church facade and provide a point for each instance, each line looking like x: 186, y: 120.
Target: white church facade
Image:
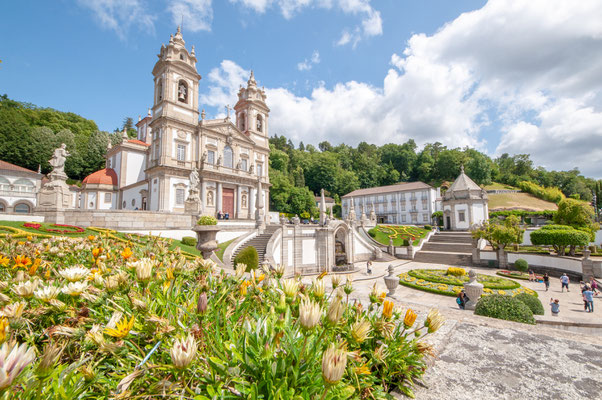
x: 224, y: 159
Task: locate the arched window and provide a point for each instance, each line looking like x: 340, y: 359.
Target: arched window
x: 183, y: 91
x: 241, y: 117
x: 259, y: 123
x: 2, y: 207
x: 4, y: 183
x: 22, y: 208
x: 24, y: 185
x: 159, y: 90
x: 228, y: 157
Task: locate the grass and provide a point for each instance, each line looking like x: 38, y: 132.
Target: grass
x: 221, y: 248
x: 401, y: 232
x: 522, y: 201
x: 499, y: 186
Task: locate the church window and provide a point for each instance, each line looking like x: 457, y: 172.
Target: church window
x: 181, y: 153
x: 461, y: 216
x: 182, y: 92
x: 259, y: 123
x: 182, y: 56
x: 179, y: 196
x: 211, y: 157
x: 159, y: 90
x: 259, y: 169
x: 243, y: 164
x: 425, y: 218
x: 108, y: 197
x: 157, y: 152
x: 242, y: 121
x: 228, y: 157
x: 403, y: 218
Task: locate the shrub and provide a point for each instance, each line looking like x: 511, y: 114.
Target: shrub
x: 532, y: 302
x: 406, y: 242
x: 504, y: 307
x: 189, y: 241
x: 456, y: 271
x: 560, y: 239
x: 521, y: 265
x: 207, y: 220
x: 428, y: 227
x: 552, y: 194
x: 249, y: 257
x: 372, y: 232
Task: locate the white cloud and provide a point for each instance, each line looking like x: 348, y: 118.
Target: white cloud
x: 224, y: 84
x: 532, y: 69
x: 120, y: 15
x: 197, y: 14
x: 306, y: 65
x: 371, y: 24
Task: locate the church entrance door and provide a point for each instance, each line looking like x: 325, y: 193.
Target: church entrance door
x: 228, y: 202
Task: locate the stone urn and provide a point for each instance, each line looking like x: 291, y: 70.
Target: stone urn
x: 473, y: 290
x: 205, y: 235
x: 391, y: 281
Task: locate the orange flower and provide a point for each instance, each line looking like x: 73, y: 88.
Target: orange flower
x: 34, y: 266
x: 4, y: 261
x: 29, y: 238
x: 410, y: 318
x: 244, y: 286
x: 22, y: 261
x: 96, y: 252
x: 387, y: 309
x: 381, y: 297
x: 126, y: 253
x: 91, y: 237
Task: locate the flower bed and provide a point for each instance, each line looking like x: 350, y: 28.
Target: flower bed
x: 54, y: 228
x: 517, y: 275
x: 97, y: 317
x: 435, y: 281
x: 399, y: 233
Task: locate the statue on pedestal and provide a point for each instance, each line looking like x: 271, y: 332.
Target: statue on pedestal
x: 58, y: 162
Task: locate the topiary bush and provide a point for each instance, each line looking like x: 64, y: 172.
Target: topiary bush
x: 207, y: 220
x: 189, y: 241
x: 249, y: 257
x: 521, y: 265
x: 504, y: 307
x: 429, y: 227
x: 372, y: 232
x: 406, y: 242
x: 532, y: 302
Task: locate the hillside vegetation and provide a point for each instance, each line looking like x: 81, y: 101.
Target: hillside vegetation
x: 522, y: 201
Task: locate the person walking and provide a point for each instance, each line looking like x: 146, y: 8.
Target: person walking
x: 546, y: 281
x: 594, y: 286
x: 369, y: 267
x: 462, y: 299
x: 531, y: 276
x: 564, y: 279
x: 588, y: 297
x: 555, y: 307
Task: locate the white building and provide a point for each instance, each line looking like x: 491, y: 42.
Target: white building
x: 18, y: 188
x: 464, y: 204
x: 153, y: 171
x: 411, y: 203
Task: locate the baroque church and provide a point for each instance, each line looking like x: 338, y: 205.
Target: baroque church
x: 182, y: 162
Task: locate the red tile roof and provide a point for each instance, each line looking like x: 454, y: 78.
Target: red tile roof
x: 12, y: 167
x: 105, y: 176
x: 136, y: 141
x: 400, y: 187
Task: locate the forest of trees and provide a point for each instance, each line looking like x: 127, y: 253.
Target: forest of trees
x: 29, y: 134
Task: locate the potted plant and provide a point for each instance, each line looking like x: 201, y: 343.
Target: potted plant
x: 206, y: 229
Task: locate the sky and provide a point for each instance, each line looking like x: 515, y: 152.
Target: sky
x: 501, y: 76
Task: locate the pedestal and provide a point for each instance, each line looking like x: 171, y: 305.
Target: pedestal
x: 192, y: 206
x: 54, y: 196
x: 206, y: 242
x: 391, y: 281
x: 473, y: 290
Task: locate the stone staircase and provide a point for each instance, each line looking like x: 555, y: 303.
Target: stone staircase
x: 260, y: 242
x: 453, y: 248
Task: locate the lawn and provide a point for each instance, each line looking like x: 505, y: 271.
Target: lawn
x: 499, y: 186
x: 399, y: 233
x: 221, y: 248
x: 522, y: 201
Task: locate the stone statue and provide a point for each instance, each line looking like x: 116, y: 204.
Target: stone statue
x: 252, y: 168
x: 194, y: 179
x: 58, y: 160
x: 219, y: 161
x: 239, y: 164
x: 203, y: 159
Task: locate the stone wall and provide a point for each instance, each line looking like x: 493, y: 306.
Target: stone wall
x: 121, y: 220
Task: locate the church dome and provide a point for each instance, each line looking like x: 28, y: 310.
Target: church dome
x: 105, y: 176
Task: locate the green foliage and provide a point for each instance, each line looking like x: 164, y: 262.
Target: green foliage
x: 189, y: 241
x: 500, y: 234
x: 249, y: 257
x: 428, y: 227
x: 438, y: 217
x: 577, y: 214
x: 560, y: 238
x: 552, y: 194
x: 399, y: 233
x: 504, y: 307
x: 521, y: 265
x: 207, y: 220
x: 522, y: 213
x: 532, y: 302
x: 441, y: 276
x: 372, y: 232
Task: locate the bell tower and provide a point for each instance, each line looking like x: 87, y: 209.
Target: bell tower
x: 251, y: 110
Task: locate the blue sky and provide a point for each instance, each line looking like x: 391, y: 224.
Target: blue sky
x: 498, y: 78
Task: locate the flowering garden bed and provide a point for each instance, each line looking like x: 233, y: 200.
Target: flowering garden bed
x: 399, y: 233
x: 54, y: 228
x: 436, y: 281
x: 517, y: 275
x: 93, y: 317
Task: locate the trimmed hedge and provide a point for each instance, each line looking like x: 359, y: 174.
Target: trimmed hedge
x: 247, y: 256
x: 504, y: 307
x: 532, y: 302
x: 522, y: 213
x: 189, y: 241
x: 560, y: 238
x: 521, y: 265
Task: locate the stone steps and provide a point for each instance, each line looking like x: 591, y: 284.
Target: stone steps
x: 452, y: 247
x: 463, y: 260
x: 260, y: 242
x: 447, y: 248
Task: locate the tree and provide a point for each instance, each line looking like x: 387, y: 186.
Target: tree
x: 500, y: 234
x: 577, y: 214
x: 479, y: 167
x: 325, y: 146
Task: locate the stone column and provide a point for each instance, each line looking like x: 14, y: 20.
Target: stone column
x: 218, y: 200
x: 203, y: 194
x: 238, y: 200
x: 476, y: 252
x: 502, y: 259
x: 251, y: 203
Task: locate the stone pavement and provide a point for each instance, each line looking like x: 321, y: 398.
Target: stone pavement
x: 486, y: 358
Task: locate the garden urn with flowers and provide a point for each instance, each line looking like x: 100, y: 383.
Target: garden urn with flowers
x: 206, y: 229
x: 473, y: 290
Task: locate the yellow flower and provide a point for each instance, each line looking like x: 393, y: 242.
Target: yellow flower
x: 3, y: 329
x: 433, y: 321
x: 4, y: 261
x: 503, y: 293
x: 387, y: 309
x: 244, y: 286
x: 410, y: 318
x: 323, y: 274
x: 382, y: 297
x: 96, y: 252
x: 91, y: 237
x: 362, y: 370
x: 169, y: 274
x: 123, y: 328
x: 126, y: 253
x: 34, y: 267
x: 360, y: 330
x: 290, y: 287
x: 22, y: 261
